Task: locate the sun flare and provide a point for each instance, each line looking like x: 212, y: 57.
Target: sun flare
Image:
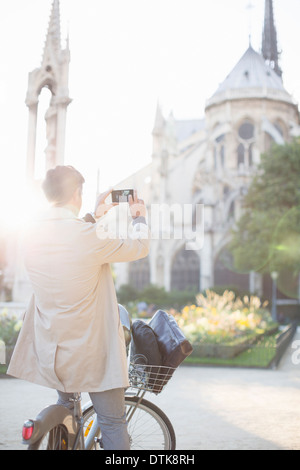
x: 19, y: 205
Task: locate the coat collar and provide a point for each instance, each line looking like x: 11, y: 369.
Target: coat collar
x: 59, y: 213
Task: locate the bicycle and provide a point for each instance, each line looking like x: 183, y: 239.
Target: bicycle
x: 59, y: 428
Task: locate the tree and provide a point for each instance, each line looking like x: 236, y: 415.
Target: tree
x: 267, y: 236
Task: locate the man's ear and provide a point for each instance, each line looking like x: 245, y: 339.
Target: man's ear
x: 78, y: 192
x: 77, y: 197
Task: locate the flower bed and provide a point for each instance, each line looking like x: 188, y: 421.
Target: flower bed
x: 223, y: 325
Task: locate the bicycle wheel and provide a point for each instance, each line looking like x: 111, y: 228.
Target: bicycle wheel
x: 148, y: 426
x: 54, y: 439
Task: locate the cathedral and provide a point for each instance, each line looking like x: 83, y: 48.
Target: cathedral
x: 210, y: 162
x: 206, y: 162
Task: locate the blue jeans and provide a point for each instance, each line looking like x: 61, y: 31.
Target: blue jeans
x: 110, y: 409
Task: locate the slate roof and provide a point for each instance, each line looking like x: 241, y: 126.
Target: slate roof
x: 251, y: 73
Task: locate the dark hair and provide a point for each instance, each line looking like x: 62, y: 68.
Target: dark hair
x: 60, y: 183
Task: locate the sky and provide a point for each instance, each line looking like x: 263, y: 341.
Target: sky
x: 126, y: 56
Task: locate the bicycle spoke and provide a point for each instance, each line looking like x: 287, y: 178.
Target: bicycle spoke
x: 148, y: 427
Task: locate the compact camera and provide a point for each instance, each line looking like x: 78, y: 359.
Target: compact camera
x: 121, y: 195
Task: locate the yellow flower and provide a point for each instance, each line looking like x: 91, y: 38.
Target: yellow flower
x: 18, y: 326
x: 4, y: 313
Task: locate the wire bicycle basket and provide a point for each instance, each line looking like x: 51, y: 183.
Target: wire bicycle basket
x: 150, y: 378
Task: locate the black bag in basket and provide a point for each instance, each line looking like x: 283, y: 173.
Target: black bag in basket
x: 173, y: 345
x: 146, y: 357
x: 144, y: 343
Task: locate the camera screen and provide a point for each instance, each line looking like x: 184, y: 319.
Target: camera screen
x: 121, y: 195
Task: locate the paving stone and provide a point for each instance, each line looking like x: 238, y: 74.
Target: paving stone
x: 211, y: 408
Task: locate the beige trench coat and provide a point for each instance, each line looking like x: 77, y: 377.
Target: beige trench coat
x: 71, y: 338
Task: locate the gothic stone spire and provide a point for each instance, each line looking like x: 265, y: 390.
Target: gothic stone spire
x: 53, y: 74
x: 53, y: 38
x: 269, y: 39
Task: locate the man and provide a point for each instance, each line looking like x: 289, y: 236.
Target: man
x: 72, y: 339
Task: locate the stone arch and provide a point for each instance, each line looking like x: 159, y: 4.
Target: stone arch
x: 49, y: 83
x: 52, y: 74
x: 246, y: 137
x: 281, y: 127
x: 139, y: 273
x: 185, y: 270
x: 233, y: 197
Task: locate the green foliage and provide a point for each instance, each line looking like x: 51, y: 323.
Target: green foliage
x: 127, y: 293
x: 154, y: 295
x: 267, y: 237
x: 9, y: 328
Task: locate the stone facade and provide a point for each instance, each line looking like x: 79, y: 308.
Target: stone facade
x: 211, y: 161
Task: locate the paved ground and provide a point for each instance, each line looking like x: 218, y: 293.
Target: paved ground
x: 210, y: 408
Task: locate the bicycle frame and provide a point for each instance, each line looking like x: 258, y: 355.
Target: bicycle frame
x: 78, y: 417
x: 56, y: 415
x: 72, y: 420
x: 49, y: 417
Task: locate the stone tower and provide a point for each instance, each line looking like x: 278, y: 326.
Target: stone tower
x: 269, y: 39
x: 53, y: 74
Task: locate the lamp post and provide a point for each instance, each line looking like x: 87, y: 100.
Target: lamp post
x: 274, y: 276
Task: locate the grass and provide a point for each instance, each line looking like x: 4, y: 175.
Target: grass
x: 258, y: 355
x: 3, y: 369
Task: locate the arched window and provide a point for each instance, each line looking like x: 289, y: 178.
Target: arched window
x: 185, y: 273
x: 246, y: 139
x: 231, y: 213
x: 250, y: 155
x: 241, y: 155
x: 222, y: 156
x: 215, y: 158
x: 219, y: 152
x: 139, y: 273
x: 281, y: 127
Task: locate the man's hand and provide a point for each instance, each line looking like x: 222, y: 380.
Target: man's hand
x: 101, y: 207
x: 137, y: 206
